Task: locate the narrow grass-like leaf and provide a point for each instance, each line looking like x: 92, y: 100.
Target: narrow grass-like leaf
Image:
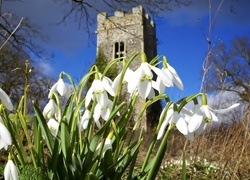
x: 65, y: 140
x: 44, y: 128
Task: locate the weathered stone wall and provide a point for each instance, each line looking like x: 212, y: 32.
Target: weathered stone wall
x: 137, y: 31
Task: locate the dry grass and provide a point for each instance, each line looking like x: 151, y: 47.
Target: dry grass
x: 227, y: 146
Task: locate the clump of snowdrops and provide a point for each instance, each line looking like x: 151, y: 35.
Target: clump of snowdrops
x: 86, y: 137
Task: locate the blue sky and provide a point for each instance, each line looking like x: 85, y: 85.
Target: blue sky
x: 181, y: 32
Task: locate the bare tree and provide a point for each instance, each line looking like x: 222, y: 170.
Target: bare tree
x: 22, y: 35
x: 83, y: 10
x: 230, y: 68
x: 17, y: 42
x: 12, y: 76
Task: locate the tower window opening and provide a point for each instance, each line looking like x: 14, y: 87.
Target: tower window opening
x: 119, y: 50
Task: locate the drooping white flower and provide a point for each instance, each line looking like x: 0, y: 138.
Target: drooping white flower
x: 85, y: 120
x: 6, y: 100
x: 53, y: 126
x: 128, y: 77
x: 165, y: 122
x: 50, y: 109
x: 107, y: 145
x: 98, y: 90
x: 10, y: 171
x: 178, y: 119
x: 61, y: 87
x: 173, y: 117
x: 172, y: 74
x: 162, y: 81
x: 203, y: 115
x: 5, y: 137
x: 143, y: 80
x: 102, y: 111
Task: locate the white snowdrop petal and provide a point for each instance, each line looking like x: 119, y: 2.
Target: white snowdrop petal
x: 88, y: 96
x: 108, y: 88
x: 6, y: 100
x: 62, y: 88
x: 10, y: 171
x: 162, y: 130
x: 5, y: 137
x: 190, y: 136
x: 206, y: 111
x: 195, y: 122
x: 151, y: 93
x: 53, y: 88
x: 146, y: 69
x: 201, y: 129
x: 53, y: 126
x: 222, y: 111
x: 97, y: 112
x: 116, y: 81
x: 182, y: 126
x: 176, y: 78
x: 163, y: 76
x: 85, y: 119
x: 144, y: 89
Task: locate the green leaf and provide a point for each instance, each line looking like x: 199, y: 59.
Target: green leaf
x: 27, y: 118
x: 91, y: 176
x: 106, y: 164
x: 38, y: 144
x: 44, y: 128
x: 65, y: 140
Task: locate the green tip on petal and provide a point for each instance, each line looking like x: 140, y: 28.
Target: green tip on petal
x: 110, y: 135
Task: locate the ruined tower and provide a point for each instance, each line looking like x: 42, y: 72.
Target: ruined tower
x: 123, y: 34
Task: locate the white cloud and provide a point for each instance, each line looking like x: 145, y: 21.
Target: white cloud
x: 44, y: 68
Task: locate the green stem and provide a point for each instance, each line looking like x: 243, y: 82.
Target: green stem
x: 26, y: 87
x: 16, y: 139
x: 159, y: 156
x: 30, y: 145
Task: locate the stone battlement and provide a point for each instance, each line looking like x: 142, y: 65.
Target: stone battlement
x: 137, y: 14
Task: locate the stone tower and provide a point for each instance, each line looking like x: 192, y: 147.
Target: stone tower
x: 123, y: 34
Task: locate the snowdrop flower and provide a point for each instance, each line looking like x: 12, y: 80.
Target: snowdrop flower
x: 6, y: 100
x: 165, y: 122
x: 173, y: 117
x: 203, y: 115
x: 85, y: 120
x: 128, y: 77
x: 142, y: 80
x: 162, y: 81
x: 98, y: 90
x: 10, y: 171
x: 53, y: 126
x: 107, y: 145
x: 172, y: 74
x: 61, y: 88
x: 5, y: 137
x: 50, y: 109
x: 102, y: 111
